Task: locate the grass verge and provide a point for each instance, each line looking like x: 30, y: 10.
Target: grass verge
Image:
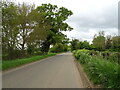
x: 14, y: 63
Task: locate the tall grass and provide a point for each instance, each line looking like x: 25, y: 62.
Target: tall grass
x: 103, y: 72
x: 14, y: 63
x: 100, y: 71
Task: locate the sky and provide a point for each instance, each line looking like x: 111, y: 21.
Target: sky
x: 89, y: 16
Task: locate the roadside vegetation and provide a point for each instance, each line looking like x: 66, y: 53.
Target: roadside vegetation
x: 32, y: 33
x: 101, y: 71
x: 100, y: 59
x: 29, y: 31
x: 100, y: 42
x: 14, y: 63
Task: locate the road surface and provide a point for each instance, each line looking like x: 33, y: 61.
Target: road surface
x: 57, y: 71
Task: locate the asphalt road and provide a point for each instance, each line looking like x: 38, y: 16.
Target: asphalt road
x: 58, y: 71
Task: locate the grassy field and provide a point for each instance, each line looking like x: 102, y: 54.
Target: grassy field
x: 14, y: 63
x: 100, y: 71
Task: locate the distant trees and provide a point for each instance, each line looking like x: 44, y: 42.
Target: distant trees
x: 84, y: 45
x: 108, y: 42
x: 101, y: 42
x: 76, y: 44
x: 115, y: 43
x: 59, y: 47
x: 28, y: 30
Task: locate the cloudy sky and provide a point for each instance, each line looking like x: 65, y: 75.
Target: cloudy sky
x: 89, y: 16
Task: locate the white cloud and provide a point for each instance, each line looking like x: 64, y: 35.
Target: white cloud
x: 90, y: 16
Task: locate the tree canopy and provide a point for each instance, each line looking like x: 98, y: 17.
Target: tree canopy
x: 27, y: 28
x: 55, y: 17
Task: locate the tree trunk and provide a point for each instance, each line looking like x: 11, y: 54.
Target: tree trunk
x: 45, y: 46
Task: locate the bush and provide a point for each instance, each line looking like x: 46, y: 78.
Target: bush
x: 59, y: 48
x: 114, y: 57
x: 78, y: 52
x: 82, y: 55
x: 14, y: 54
x: 103, y: 72
x: 38, y: 53
x: 99, y: 70
x: 106, y: 55
x: 94, y: 53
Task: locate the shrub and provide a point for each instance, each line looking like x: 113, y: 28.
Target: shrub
x: 114, y: 57
x: 103, y: 72
x: 94, y: 53
x: 59, y: 48
x: 99, y: 70
x: 38, y: 53
x: 82, y: 55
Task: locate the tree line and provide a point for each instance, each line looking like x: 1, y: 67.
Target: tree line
x: 99, y: 42
x: 29, y: 30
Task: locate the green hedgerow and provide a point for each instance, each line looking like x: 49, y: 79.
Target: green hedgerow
x: 100, y: 71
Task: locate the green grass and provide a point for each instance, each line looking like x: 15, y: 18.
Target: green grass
x: 14, y: 63
x: 100, y: 71
x: 103, y: 72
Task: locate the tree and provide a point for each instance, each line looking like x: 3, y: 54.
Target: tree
x: 27, y: 30
x: 59, y: 47
x: 99, y: 41
x: 39, y: 31
x: 83, y: 45
x: 75, y: 44
x: 32, y: 28
x: 115, y: 43
x: 10, y: 29
x: 108, y: 42
x: 92, y: 47
x: 24, y: 24
x: 55, y: 17
x: 23, y: 28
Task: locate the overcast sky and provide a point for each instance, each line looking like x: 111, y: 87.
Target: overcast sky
x: 89, y: 16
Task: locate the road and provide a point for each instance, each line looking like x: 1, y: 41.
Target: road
x: 57, y: 71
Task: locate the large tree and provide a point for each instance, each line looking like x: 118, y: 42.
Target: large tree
x: 56, y: 18
x: 23, y: 26
x: 9, y: 28
x: 39, y: 30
